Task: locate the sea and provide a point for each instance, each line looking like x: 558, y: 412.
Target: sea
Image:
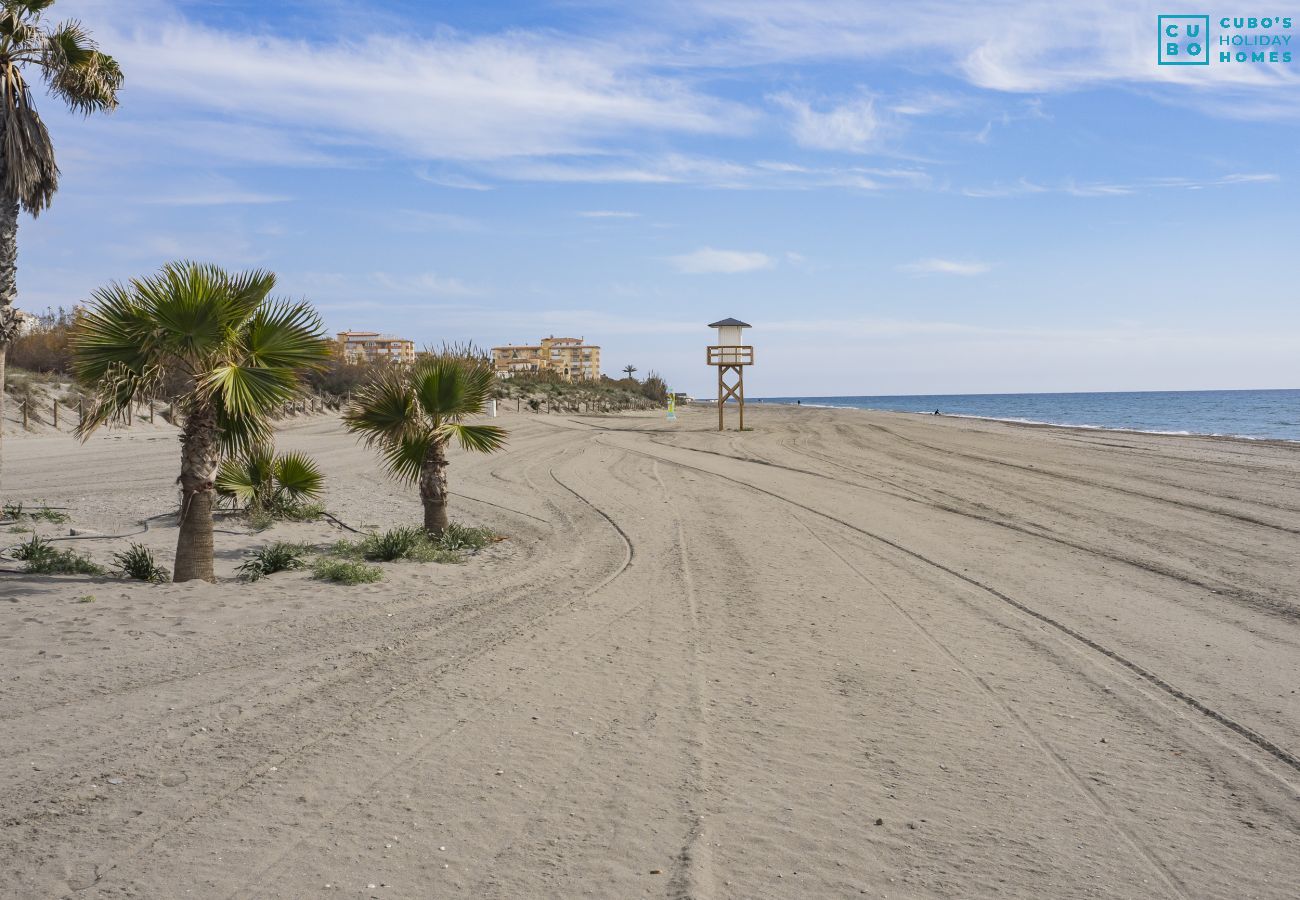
x: 1259, y: 415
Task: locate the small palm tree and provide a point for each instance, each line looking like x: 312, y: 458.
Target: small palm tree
x: 630, y: 370
x: 265, y: 481
x: 411, y: 414
x: 237, y: 355
x: 75, y: 71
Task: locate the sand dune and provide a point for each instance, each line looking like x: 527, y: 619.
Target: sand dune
x: 844, y: 654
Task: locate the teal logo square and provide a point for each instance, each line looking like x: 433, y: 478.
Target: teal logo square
x: 1183, y: 40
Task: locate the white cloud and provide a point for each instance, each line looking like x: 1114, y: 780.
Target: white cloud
x: 608, y: 214
x: 452, y: 180
x: 450, y: 97
x: 210, y: 191
x: 1111, y: 189
x: 707, y: 260
x: 1019, y: 46
x: 428, y: 283
x: 851, y: 126
x: 945, y: 267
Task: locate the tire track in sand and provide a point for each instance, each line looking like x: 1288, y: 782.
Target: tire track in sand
x: 1108, y: 812
x: 1263, y: 743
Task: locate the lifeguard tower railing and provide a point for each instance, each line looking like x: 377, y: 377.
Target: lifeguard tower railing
x: 729, y: 355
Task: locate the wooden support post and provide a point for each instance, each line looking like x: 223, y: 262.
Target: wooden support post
x: 56, y: 413
x: 150, y: 410
x: 130, y: 407
x: 171, y: 413
x: 24, y: 408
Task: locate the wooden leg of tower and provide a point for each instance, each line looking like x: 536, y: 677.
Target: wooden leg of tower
x: 740, y: 396
x: 721, y: 395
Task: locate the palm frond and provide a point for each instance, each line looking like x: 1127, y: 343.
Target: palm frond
x: 186, y: 308
x: 31, y: 175
x: 248, y: 391
x: 478, y: 438
x: 384, y: 411
x: 404, y: 457
x: 298, y: 477
x: 287, y: 335
x: 247, y: 477
x: 450, y: 387
x: 239, y: 434
x: 114, y: 331
x: 88, y: 86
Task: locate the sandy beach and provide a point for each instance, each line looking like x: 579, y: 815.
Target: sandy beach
x: 844, y: 654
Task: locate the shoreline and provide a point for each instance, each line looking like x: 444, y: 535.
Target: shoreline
x: 1032, y: 423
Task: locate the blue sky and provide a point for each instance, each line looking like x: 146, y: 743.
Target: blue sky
x: 939, y: 196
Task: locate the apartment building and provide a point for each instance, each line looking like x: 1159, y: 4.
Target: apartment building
x: 371, y: 346
x: 569, y: 358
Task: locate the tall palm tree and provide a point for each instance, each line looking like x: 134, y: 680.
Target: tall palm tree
x: 630, y: 370
x: 237, y: 355
x: 411, y: 414
x: 85, y: 79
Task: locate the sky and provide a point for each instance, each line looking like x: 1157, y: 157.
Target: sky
x: 942, y: 196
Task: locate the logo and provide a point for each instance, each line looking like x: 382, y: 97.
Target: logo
x: 1184, y: 40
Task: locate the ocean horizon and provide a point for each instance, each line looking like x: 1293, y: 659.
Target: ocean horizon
x: 1270, y: 414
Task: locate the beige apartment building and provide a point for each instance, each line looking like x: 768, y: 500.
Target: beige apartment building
x: 371, y: 346
x: 569, y: 358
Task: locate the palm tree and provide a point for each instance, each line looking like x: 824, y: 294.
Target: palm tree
x: 411, y: 414
x: 237, y: 355
x: 87, y: 81
x: 630, y: 370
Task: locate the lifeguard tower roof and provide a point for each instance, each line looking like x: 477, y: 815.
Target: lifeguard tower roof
x: 730, y: 323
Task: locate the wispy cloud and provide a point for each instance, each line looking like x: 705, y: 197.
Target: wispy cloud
x: 934, y: 266
x: 428, y: 283
x: 452, y: 96
x: 1073, y: 188
x: 707, y: 260
x: 608, y: 214
x: 454, y: 180
x: 851, y: 126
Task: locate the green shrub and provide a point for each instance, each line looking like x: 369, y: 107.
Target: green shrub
x: 137, y: 562
x: 43, y: 559
x: 278, y: 557
x: 463, y: 537
x: 395, y: 543
x: 346, y: 571
x: 16, y: 511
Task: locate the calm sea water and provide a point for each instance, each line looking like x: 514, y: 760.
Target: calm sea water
x: 1250, y: 414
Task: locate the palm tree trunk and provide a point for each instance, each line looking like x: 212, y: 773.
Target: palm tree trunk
x: 8, y: 291
x: 200, y: 459
x: 433, y: 488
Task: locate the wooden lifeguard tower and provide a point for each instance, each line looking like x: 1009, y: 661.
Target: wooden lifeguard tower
x: 730, y: 356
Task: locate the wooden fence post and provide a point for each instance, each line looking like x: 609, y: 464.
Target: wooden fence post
x: 56, y: 413
x: 130, y: 408
x: 24, y: 406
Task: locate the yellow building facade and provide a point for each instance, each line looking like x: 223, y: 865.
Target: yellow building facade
x: 371, y: 346
x: 570, y: 358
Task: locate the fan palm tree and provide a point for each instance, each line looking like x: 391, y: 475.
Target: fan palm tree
x: 238, y: 354
x: 85, y: 79
x: 411, y: 414
x: 630, y: 370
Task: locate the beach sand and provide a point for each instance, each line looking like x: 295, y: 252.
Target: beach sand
x: 844, y: 654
